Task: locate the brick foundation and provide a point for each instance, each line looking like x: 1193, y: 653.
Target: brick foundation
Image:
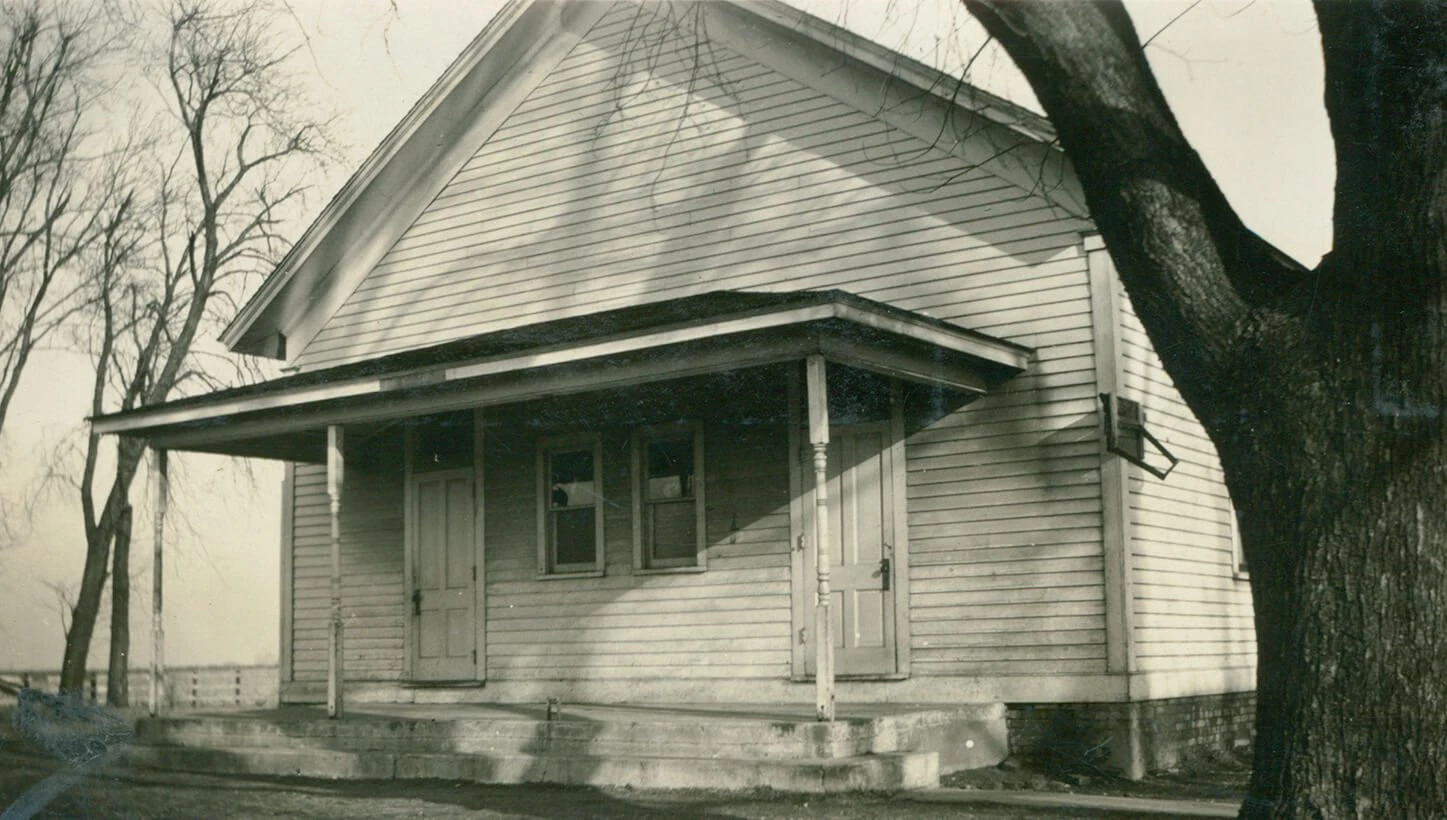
x: 1130, y: 738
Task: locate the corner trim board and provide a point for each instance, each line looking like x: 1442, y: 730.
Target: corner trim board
x: 1114, y: 486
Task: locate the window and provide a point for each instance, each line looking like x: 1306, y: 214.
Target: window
x: 570, y: 509
x: 668, y: 504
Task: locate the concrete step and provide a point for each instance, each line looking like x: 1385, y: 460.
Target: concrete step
x: 778, y: 741
x: 965, y: 737
x: 878, y: 772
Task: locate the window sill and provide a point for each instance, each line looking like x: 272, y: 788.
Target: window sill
x: 563, y: 576
x: 669, y: 570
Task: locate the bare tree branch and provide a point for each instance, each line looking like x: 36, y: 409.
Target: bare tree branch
x: 1193, y: 270
x: 172, y: 260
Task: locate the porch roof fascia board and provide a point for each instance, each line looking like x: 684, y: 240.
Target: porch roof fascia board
x: 835, y: 317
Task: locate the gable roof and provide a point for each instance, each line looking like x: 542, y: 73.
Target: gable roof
x: 521, y: 45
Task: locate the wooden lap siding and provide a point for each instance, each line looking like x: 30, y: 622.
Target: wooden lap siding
x: 1191, y: 612
x: 1004, y: 496
x: 372, y: 597
x: 731, y: 621
x: 612, y: 185
x: 598, y: 192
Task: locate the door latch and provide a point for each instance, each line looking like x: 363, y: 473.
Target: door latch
x: 417, y: 602
x: 884, y: 570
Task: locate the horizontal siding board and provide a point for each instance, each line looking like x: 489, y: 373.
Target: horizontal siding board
x: 1083, y: 640
x: 1187, y: 660
x: 525, y: 670
x: 927, y: 665
x: 1013, y: 629
x: 944, y: 616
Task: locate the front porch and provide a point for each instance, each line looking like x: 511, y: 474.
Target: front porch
x: 868, y: 747
x: 626, y: 501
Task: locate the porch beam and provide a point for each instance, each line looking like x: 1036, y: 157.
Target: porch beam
x: 504, y: 389
x: 817, y: 388
x: 335, y: 464
x: 833, y: 321
x: 159, y: 491
x: 936, y: 371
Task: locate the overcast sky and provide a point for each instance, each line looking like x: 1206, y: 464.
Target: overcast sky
x: 1244, y: 78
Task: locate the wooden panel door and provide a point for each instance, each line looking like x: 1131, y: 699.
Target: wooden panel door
x: 861, y: 526
x: 443, y: 598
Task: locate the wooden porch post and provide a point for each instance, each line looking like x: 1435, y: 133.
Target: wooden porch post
x: 818, y: 399
x: 335, y: 676
x: 159, y: 491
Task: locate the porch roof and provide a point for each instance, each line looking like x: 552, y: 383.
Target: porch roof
x: 712, y: 332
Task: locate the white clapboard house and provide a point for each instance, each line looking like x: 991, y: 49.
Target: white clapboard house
x: 639, y: 306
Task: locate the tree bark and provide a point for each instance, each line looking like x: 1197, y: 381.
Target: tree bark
x: 118, y: 672
x: 1324, y: 391
x: 98, y: 538
x: 83, y: 615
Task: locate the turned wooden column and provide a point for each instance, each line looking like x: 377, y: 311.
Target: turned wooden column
x: 818, y: 400
x: 335, y: 676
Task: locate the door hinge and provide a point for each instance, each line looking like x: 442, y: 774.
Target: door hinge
x: 474, y: 656
x: 474, y: 572
x: 802, y: 631
x: 799, y: 545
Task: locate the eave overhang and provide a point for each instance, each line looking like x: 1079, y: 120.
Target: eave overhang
x: 684, y: 337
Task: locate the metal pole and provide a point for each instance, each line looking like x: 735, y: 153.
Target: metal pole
x: 335, y: 464
x: 159, y: 492
x: 818, y: 398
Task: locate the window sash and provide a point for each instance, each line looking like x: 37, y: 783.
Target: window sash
x: 554, y: 517
x: 647, y: 554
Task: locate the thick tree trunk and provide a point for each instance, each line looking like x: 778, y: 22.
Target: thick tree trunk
x: 99, y: 532
x: 118, y: 673
x: 1352, y: 640
x: 85, y: 612
x: 1324, y: 391
x: 1344, y: 501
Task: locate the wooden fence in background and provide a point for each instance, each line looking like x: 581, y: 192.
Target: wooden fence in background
x: 184, y: 686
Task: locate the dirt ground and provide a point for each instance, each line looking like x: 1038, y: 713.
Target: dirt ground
x: 1211, y: 777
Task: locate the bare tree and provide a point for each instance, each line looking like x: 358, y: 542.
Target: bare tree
x: 1324, y: 390
x: 47, y: 218
x: 174, y: 257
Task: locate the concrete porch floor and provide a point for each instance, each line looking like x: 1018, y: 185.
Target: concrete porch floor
x: 876, y: 747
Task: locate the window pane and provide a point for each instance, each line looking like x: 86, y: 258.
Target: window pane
x: 573, y: 536
x: 572, y: 479
x: 674, y: 530
x: 670, y: 469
